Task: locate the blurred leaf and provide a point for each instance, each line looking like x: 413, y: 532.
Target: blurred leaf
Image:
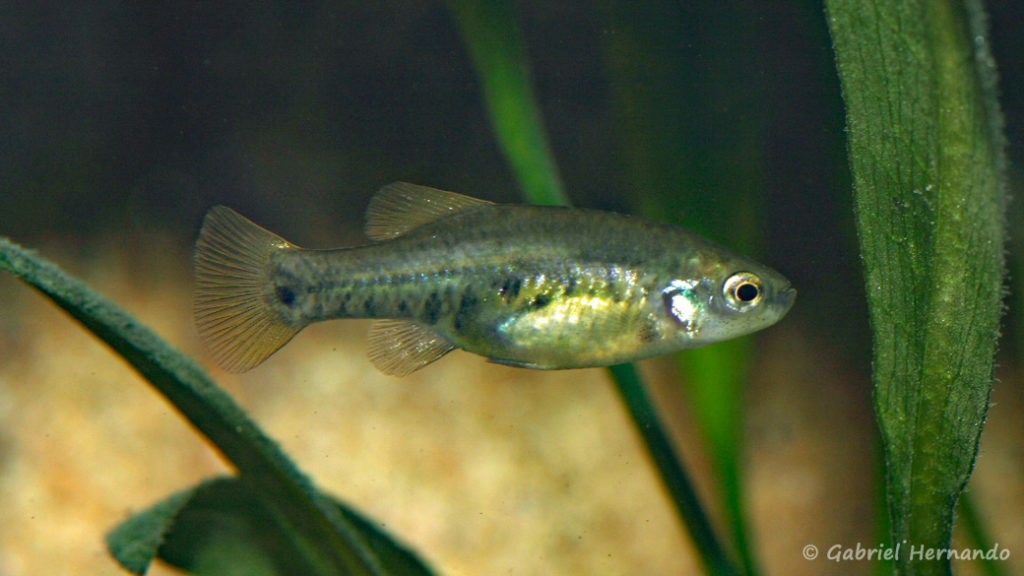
x: 224, y: 527
x: 692, y: 148
x: 329, y: 541
x: 690, y: 118
x: 136, y: 542
x: 715, y: 379
x: 926, y: 148
x: 492, y: 35
x: 979, y: 537
x: 673, y: 472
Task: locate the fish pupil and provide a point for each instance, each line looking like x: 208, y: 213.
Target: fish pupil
x: 747, y: 292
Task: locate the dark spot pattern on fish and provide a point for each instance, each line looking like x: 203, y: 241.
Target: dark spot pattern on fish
x: 570, y: 286
x: 370, y: 307
x: 466, y: 311
x: 618, y: 294
x: 344, y: 303
x: 286, y: 295
x: 649, y: 331
x: 540, y: 301
x: 432, y: 307
x: 509, y: 289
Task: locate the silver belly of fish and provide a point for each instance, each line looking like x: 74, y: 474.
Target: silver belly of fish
x: 531, y: 286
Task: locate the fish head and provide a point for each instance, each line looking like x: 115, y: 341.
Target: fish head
x: 731, y: 298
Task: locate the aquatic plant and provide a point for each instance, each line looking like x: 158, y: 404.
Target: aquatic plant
x: 926, y: 152
x: 269, y: 518
x: 926, y: 149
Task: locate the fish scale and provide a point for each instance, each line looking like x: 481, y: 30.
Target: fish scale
x: 532, y: 286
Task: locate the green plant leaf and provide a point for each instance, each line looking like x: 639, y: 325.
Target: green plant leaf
x: 715, y: 379
x: 136, y: 541
x: 224, y: 527
x: 673, y: 472
x: 329, y: 540
x: 496, y: 45
x: 978, y: 537
x: 492, y: 34
x: 926, y: 150
x: 693, y: 143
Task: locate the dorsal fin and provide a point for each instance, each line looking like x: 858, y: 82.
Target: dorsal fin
x: 400, y: 207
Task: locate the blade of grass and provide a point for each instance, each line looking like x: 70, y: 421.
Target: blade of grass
x: 926, y: 151
x: 673, y: 473
x: 714, y: 379
x: 978, y: 536
x: 223, y: 526
x: 334, y: 545
x: 492, y: 33
x: 495, y: 43
x: 693, y: 143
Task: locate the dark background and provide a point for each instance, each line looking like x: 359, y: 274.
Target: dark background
x: 128, y: 117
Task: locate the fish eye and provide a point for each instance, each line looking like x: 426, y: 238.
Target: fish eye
x: 743, y: 291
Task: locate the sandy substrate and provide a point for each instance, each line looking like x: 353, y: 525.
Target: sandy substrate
x: 483, y: 469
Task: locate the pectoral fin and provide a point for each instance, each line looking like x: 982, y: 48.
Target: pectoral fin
x: 400, y: 347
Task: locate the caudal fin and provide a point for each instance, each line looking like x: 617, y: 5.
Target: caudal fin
x: 233, y: 293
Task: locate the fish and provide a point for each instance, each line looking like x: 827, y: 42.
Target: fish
x: 543, y: 287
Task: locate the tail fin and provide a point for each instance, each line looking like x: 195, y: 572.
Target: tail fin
x: 233, y: 293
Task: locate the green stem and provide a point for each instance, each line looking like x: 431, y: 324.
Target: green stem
x: 494, y: 40
x: 499, y: 54
x: 673, y: 473
x: 714, y: 377
x: 978, y: 537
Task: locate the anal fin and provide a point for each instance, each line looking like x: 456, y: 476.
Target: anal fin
x: 400, y: 347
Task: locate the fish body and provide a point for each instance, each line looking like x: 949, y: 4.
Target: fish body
x: 532, y: 286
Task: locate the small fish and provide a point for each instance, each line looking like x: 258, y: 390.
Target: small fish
x: 533, y: 286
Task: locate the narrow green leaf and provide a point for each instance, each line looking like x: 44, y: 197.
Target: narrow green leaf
x: 926, y: 150
x: 692, y: 142
x: 715, y: 378
x: 673, y: 473
x: 978, y: 537
x: 492, y: 34
x: 224, y: 526
x: 332, y: 543
x: 136, y: 542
